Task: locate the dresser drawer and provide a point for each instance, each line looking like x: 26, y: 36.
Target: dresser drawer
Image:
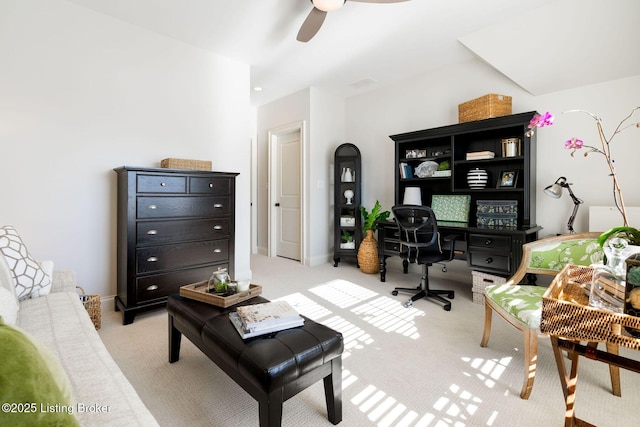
x: 160, y: 232
x: 161, y: 184
x: 488, y: 241
x: 167, y: 257
x: 157, y: 286
x: 488, y: 260
x: 174, y: 207
x: 205, y: 185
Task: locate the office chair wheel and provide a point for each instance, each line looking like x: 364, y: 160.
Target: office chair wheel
x: 394, y: 293
x: 409, y: 304
x: 447, y: 307
x: 450, y: 295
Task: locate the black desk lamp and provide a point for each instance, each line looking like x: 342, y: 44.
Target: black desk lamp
x: 555, y: 191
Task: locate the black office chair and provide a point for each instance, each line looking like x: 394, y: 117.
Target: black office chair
x: 421, y: 242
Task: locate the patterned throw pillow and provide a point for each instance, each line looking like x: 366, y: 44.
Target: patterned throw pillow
x: 30, y: 280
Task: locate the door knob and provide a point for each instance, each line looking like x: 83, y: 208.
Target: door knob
x: 278, y: 205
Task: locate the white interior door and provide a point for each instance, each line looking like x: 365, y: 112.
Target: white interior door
x: 288, y: 197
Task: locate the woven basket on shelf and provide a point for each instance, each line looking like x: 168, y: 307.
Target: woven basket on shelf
x: 570, y: 320
x: 485, y: 107
x: 199, y: 165
x: 91, y: 303
x: 368, y: 254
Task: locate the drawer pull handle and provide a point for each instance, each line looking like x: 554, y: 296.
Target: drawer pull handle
x: 152, y: 287
x: 152, y: 259
x: 162, y: 184
x: 152, y: 232
x: 217, y: 227
x: 488, y: 260
x: 217, y: 250
x: 217, y: 205
x: 211, y: 185
x: 488, y: 242
x: 152, y: 207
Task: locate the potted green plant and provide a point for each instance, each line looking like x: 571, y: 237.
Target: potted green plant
x: 347, y: 240
x: 368, y: 251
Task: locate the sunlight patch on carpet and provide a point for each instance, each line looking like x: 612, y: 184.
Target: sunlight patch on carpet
x: 383, y: 312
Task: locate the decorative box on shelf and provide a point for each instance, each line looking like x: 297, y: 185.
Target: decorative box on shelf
x: 199, y: 292
x: 199, y: 165
x: 485, y: 107
x: 497, y: 220
x: 440, y: 174
x: 347, y: 221
x: 497, y: 206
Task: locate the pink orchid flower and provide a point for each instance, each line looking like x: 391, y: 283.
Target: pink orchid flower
x: 541, y: 120
x: 574, y: 144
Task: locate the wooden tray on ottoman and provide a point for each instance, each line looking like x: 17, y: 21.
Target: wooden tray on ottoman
x: 578, y: 322
x: 198, y: 292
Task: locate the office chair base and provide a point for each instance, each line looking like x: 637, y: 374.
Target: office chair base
x: 427, y: 293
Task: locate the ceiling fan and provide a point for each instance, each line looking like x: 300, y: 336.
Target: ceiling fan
x: 314, y: 21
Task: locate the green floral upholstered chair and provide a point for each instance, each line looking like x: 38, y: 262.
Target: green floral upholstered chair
x: 521, y: 305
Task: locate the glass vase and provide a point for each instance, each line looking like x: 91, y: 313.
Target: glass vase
x: 608, y: 281
x: 219, y: 281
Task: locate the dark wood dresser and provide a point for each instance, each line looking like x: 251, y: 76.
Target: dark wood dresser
x: 175, y: 227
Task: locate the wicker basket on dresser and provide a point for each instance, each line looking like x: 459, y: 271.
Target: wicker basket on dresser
x: 175, y: 227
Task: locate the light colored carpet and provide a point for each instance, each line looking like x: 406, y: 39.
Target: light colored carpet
x: 402, y: 367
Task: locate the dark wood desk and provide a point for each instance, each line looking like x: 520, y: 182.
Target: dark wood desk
x: 492, y: 250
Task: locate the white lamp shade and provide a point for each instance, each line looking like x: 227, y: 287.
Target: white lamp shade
x: 554, y: 191
x: 412, y: 196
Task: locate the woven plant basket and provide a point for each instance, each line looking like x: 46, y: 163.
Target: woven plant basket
x: 92, y: 305
x: 368, y: 254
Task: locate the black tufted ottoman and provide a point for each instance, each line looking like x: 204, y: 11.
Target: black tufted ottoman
x: 271, y: 368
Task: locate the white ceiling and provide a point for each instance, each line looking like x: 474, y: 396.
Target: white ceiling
x: 543, y: 46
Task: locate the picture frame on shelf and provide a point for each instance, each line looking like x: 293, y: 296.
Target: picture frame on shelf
x: 420, y: 154
x: 507, y: 179
x: 411, y: 154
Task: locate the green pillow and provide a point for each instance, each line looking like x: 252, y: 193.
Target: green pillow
x: 34, y: 389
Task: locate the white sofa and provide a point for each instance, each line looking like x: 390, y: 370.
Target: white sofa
x: 102, y: 394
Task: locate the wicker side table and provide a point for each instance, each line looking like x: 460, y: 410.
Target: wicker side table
x: 569, y: 324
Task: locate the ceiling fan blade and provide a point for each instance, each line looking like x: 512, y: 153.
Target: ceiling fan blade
x: 379, y: 1
x: 311, y: 25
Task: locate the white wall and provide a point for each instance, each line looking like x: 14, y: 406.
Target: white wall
x: 283, y: 112
x: 82, y: 93
x: 431, y: 100
x: 327, y: 130
x: 324, y: 118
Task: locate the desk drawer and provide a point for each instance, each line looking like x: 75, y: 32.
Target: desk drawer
x: 158, y: 258
x: 488, y: 241
x: 392, y: 246
x: 490, y: 260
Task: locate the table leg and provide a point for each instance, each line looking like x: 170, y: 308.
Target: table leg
x: 175, y: 336
x: 568, y: 382
x: 614, y: 371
